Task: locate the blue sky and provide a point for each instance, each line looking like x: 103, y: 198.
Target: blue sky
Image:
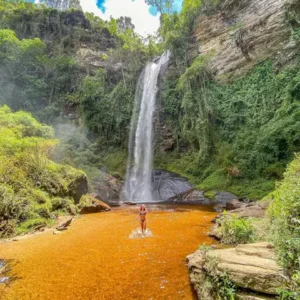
x: 144, y: 17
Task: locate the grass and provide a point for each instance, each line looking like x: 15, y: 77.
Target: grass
x: 31, y: 224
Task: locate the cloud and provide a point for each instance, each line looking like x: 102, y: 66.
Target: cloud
x: 137, y: 10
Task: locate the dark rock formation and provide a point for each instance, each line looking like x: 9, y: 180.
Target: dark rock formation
x: 198, y: 197
x: 78, y: 188
x: 108, y: 188
x: 192, y: 196
x: 166, y: 185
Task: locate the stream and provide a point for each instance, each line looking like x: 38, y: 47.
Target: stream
x: 101, y: 257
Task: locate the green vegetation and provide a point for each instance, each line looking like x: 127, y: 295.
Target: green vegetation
x: 32, y: 187
x: 281, y: 226
x: 240, y: 134
x: 219, y: 284
x: 284, y: 215
x: 236, y: 230
x: 42, y: 59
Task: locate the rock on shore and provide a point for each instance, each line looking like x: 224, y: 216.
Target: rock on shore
x: 251, y: 268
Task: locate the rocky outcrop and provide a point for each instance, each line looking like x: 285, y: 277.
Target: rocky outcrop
x: 107, y: 188
x: 250, y: 210
x: 167, y: 185
x: 235, y: 204
x: 241, y: 33
x: 251, y: 296
x: 194, y: 196
x: 78, y: 187
x: 93, y: 59
x: 251, y: 268
x: 92, y: 205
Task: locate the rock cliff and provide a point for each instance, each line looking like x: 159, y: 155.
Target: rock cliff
x: 241, y: 33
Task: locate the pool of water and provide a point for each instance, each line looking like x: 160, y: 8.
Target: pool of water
x: 99, y: 258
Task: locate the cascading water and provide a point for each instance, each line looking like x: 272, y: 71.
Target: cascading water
x: 138, y: 179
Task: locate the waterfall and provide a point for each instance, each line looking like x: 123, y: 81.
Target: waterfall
x: 137, y: 186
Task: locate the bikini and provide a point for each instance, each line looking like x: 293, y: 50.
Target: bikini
x: 143, y: 213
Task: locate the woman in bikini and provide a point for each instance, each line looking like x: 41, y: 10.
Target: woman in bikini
x: 143, y: 212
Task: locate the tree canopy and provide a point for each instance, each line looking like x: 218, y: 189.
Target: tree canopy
x: 162, y: 6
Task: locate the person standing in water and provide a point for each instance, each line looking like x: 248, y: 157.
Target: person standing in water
x: 143, y: 212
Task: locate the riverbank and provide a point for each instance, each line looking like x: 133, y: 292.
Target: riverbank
x: 96, y: 258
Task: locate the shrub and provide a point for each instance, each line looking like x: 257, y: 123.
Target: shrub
x: 236, y: 230
x: 29, y: 180
x: 284, y: 217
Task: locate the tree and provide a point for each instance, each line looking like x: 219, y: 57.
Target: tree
x: 124, y: 23
x: 62, y: 4
x: 163, y: 6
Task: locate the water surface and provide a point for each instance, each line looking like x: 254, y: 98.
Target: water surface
x: 97, y: 259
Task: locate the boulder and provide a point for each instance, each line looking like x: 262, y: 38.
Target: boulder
x: 198, y: 277
x: 251, y: 267
x: 92, y: 205
x: 65, y: 225
x: 234, y: 204
x: 108, y: 188
x: 169, y: 186
x: 252, y: 210
x: 192, y: 196
x: 78, y: 187
x: 224, y: 197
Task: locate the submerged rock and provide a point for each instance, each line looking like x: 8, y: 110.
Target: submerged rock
x: 252, y: 267
x: 65, y: 225
x: 3, y: 270
x: 4, y: 279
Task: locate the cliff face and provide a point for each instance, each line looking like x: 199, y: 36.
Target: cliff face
x: 242, y: 33
x: 64, y: 33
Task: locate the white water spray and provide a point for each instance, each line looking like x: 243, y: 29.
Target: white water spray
x: 138, y: 179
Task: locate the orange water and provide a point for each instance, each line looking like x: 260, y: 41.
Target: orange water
x: 96, y: 259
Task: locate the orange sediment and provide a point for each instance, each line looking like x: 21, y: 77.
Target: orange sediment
x: 96, y: 259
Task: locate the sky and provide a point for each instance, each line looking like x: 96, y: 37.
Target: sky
x: 144, y: 17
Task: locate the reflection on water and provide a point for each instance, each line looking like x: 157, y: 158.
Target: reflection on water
x: 137, y: 234
x: 96, y: 259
